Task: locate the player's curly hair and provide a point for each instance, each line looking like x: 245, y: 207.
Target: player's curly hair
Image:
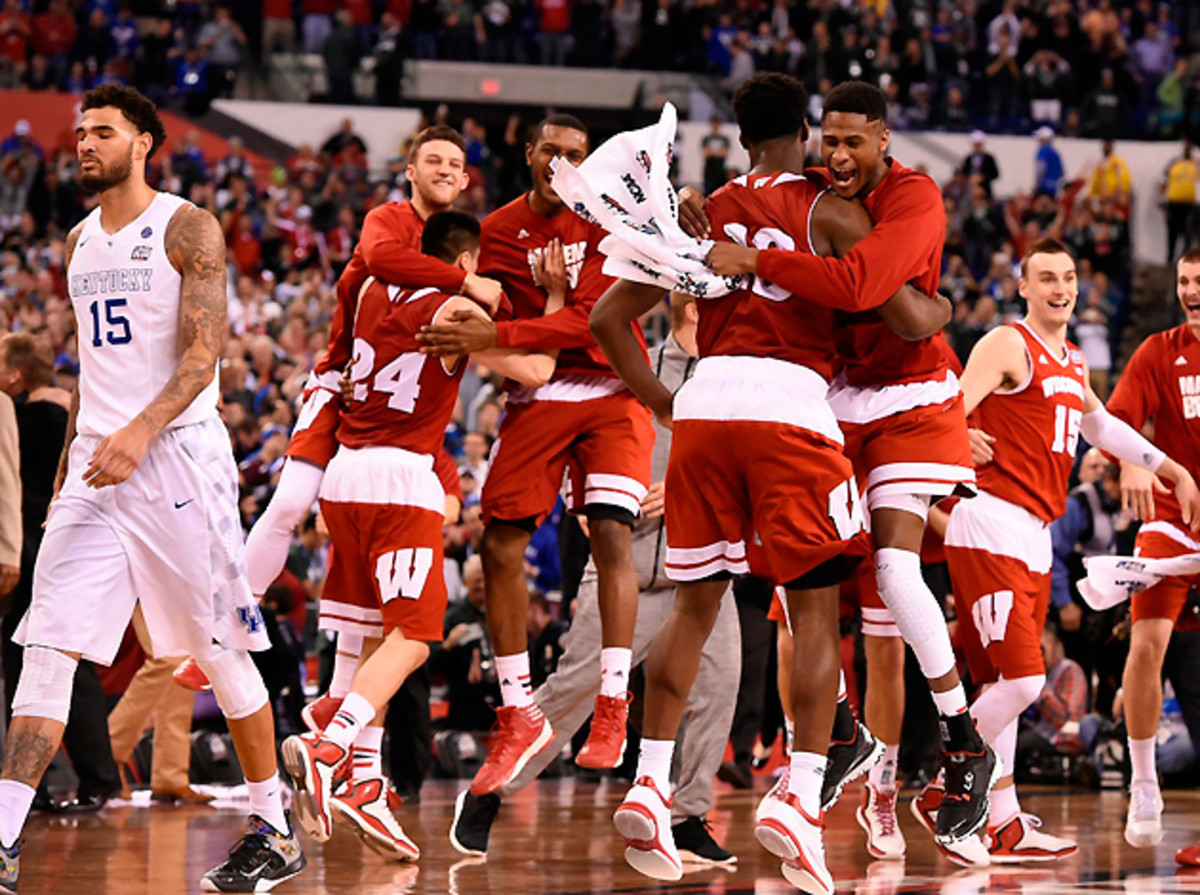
x: 137, y: 109
x: 769, y: 106
x: 857, y: 98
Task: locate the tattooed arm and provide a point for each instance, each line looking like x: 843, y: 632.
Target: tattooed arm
x: 196, y: 248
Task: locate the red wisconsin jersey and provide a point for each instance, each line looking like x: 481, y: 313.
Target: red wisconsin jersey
x: 390, y: 250
x: 904, y: 246
x: 402, y: 398
x: 513, y: 238
x: 1162, y: 384
x: 768, y: 210
x: 1036, y: 427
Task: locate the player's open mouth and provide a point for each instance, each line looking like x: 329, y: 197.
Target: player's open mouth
x: 1193, y: 307
x: 1060, y: 305
x: 844, y: 177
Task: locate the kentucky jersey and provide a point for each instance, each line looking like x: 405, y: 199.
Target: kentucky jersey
x: 126, y: 296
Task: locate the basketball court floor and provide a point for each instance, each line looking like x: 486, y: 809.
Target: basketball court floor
x: 556, y: 838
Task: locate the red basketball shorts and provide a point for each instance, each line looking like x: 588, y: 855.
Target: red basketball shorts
x: 314, y: 439
x: 756, y: 453
x: 999, y: 557
x: 921, y: 450
x: 1164, y: 540
x: 384, y: 508
x: 606, y: 441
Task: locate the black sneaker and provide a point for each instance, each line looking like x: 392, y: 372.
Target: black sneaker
x: 259, y: 861
x: 473, y: 819
x: 969, y: 778
x: 693, y: 839
x: 736, y: 774
x: 10, y: 866
x: 848, y: 761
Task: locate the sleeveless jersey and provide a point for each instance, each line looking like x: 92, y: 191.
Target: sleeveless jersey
x: 764, y: 320
x: 1036, y: 427
x: 402, y: 398
x: 1162, y: 383
x: 126, y: 296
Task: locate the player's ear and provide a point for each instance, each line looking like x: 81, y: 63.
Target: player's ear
x: 529, y: 154
x: 1022, y: 288
x: 885, y: 140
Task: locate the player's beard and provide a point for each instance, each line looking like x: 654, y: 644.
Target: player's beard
x: 107, y: 176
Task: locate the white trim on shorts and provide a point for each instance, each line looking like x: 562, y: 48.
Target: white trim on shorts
x: 608, y: 489
x: 345, y: 618
x: 1168, y: 530
x: 695, y: 563
x: 988, y: 523
x: 858, y: 404
x: 924, y: 479
x: 878, y: 623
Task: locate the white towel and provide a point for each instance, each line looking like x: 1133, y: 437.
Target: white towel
x: 1111, y: 580
x: 625, y: 187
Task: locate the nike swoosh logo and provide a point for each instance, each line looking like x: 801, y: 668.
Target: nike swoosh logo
x: 180, y: 505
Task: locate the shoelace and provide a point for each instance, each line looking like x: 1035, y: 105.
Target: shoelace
x: 885, y: 810
x: 1143, y: 802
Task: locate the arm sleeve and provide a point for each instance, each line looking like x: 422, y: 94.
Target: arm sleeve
x: 1116, y: 437
x: 10, y: 486
x: 391, y: 258
x: 893, y: 253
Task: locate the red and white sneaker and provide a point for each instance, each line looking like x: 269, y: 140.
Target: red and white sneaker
x: 1189, y: 856
x: 644, y: 819
x: 775, y: 792
x: 1019, y: 839
x: 877, y: 816
x: 318, y: 713
x: 787, y: 832
x: 967, y: 852
x: 189, y: 674
x: 605, y: 746
x: 312, y: 761
x: 364, y: 806
x: 520, y: 734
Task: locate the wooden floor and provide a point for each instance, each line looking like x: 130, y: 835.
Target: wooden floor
x: 557, y: 837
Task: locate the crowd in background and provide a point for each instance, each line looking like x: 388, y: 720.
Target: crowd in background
x: 291, y: 230
x: 1085, y: 67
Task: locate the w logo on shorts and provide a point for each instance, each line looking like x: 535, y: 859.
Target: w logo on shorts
x: 250, y: 618
x: 402, y: 573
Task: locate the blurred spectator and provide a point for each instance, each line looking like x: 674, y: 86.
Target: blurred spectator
x: 54, y: 33
x: 1171, y: 95
x: 21, y: 145
x: 1179, y: 190
x: 715, y: 147
x: 14, y: 40
x: 1048, y: 165
x: 389, y: 61
x: 1003, y: 81
x: 317, y: 23
x: 1051, y: 727
x: 980, y: 165
x: 465, y: 658
x: 341, y: 54
x: 226, y: 44
x: 545, y: 636
x: 1105, y: 110
x: 554, y: 30
x: 279, y: 28
x: 1151, y: 58
x: 1047, y: 77
x: 1110, y: 179
x: 342, y: 138
x: 1093, y: 336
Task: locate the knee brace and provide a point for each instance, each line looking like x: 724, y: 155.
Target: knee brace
x: 914, y: 608
x: 235, y: 681
x: 44, y: 689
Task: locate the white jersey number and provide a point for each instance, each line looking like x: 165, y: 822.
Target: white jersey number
x: 401, y: 378
x: 766, y: 238
x: 1066, y: 430
x: 109, y: 325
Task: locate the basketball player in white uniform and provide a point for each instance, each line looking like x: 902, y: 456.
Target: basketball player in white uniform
x: 146, y: 510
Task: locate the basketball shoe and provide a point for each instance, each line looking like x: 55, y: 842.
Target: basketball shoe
x: 312, y: 762
x: 966, y: 852
x: 10, y: 866
x: 605, y: 746
x: 318, y: 713
x: 1019, y: 839
x: 877, y: 816
x: 1143, y: 823
x: 473, y: 819
x: 775, y: 792
x: 190, y: 675
x: 1188, y: 856
x: 787, y: 832
x: 521, y: 733
x: 364, y: 806
x: 968, y: 776
x: 262, y: 859
x: 848, y: 761
x: 696, y: 846
x: 644, y: 819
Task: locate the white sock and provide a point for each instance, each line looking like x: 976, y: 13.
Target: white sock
x: 265, y: 801
x: 654, y: 761
x: 615, y: 662
x: 841, y: 684
x: 789, y: 728
x: 365, y: 753
x: 806, y: 779
x: 1004, y: 806
x: 1141, y: 756
x: 883, y: 775
x: 355, y: 714
x: 514, y: 679
x: 1005, y: 747
x: 345, y: 663
x: 15, y: 801
x: 952, y: 702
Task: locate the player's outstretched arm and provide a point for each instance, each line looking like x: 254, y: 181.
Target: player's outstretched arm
x: 997, y: 361
x: 531, y: 369
x: 838, y: 226
x: 612, y: 322
x: 195, y: 247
